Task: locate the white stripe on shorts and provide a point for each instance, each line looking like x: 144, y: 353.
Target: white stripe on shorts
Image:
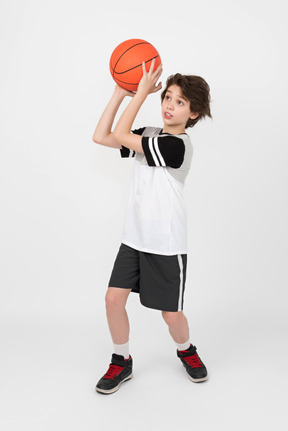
x: 180, y: 261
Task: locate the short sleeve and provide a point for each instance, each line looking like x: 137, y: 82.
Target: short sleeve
x: 126, y: 152
x: 164, y: 151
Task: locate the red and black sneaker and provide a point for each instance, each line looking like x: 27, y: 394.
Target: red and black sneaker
x: 119, y: 371
x: 195, y: 368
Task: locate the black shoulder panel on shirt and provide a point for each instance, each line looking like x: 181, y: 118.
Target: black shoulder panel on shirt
x: 138, y: 131
x: 164, y: 151
x: 125, y: 152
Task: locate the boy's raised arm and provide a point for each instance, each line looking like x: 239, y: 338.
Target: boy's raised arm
x: 147, y: 85
x: 103, y: 134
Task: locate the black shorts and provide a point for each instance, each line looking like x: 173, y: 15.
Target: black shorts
x: 159, y: 280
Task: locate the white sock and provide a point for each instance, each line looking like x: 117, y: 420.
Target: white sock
x: 184, y: 346
x: 122, y: 349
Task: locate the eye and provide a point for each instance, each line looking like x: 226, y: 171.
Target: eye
x: 167, y: 98
x: 180, y: 102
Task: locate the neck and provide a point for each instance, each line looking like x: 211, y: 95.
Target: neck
x: 173, y: 130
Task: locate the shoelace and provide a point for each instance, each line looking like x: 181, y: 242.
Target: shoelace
x: 193, y: 361
x: 113, y: 371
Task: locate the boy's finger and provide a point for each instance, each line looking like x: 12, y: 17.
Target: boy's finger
x: 158, y: 87
x: 160, y: 67
x: 158, y: 71
x: 152, y: 66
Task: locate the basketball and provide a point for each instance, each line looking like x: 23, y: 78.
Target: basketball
x: 126, y: 62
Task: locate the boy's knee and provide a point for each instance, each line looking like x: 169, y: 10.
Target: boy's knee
x: 172, y: 317
x: 111, y: 299
x: 115, y: 298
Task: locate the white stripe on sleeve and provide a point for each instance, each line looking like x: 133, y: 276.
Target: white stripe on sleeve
x: 150, y: 143
x: 162, y: 162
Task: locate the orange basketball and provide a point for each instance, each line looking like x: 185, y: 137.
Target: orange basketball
x: 126, y: 62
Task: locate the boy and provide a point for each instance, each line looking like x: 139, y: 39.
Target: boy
x: 153, y: 255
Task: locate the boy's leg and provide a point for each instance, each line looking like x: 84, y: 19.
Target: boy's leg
x: 178, y: 326
x: 120, y: 368
x: 179, y: 330
x: 117, y: 317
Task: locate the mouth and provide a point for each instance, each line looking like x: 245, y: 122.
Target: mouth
x: 167, y: 115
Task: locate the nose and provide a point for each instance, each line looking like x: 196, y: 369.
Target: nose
x: 170, y: 105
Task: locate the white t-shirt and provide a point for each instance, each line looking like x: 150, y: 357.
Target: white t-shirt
x: 156, y: 219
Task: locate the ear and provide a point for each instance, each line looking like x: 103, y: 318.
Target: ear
x: 194, y: 115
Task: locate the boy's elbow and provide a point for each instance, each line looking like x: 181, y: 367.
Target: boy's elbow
x: 97, y: 139
x: 106, y: 141
x: 120, y: 137
x: 117, y: 136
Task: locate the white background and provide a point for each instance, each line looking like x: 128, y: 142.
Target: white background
x: 63, y: 201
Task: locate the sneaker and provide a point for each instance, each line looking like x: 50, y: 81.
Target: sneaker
x: 119, y: 371
x: 195, y: 368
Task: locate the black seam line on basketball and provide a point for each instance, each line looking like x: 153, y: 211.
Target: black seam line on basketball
x: 139, y: 43
x: 153, y: 145
x: 138, y: 65
x: 124, y: 82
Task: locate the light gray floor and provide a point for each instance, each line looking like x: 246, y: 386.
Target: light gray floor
x: 49, y: 367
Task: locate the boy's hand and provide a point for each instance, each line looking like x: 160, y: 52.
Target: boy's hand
x: 122, y: 92
x: 148, y: 81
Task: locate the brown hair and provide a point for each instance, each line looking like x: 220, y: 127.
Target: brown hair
x: 196, y: 90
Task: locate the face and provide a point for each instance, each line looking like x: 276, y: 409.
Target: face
x: 175, y: 110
